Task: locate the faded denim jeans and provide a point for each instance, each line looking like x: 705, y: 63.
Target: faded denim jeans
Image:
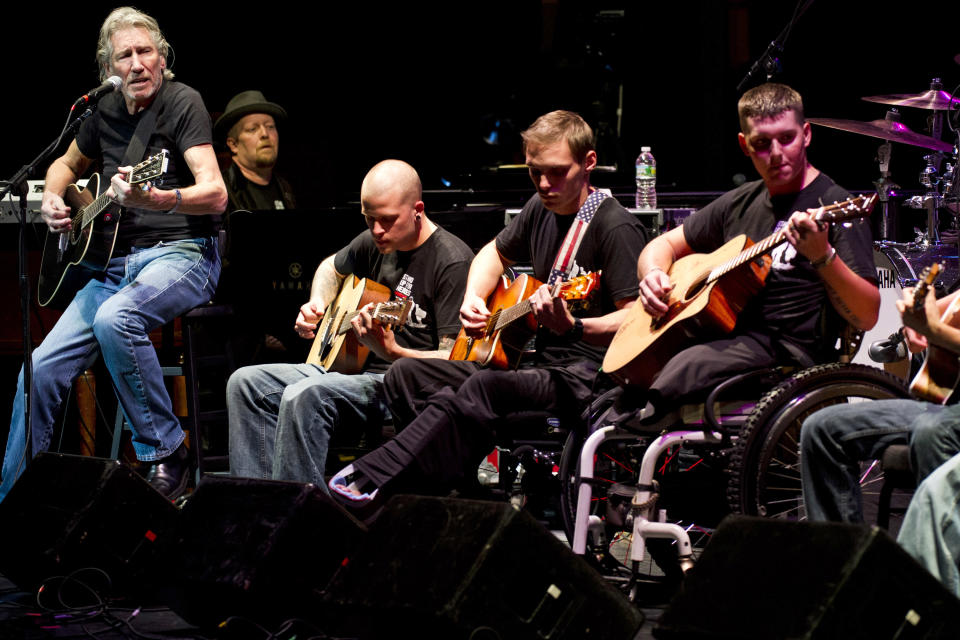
x: 836, y: 439
x: 283, y: 416
x: 112, y: 315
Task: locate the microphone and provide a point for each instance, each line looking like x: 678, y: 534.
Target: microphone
x: 891, y: 349
x: 93, y: 96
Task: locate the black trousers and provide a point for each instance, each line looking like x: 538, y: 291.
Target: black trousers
x: 450, y: 413
x: 693, y: 372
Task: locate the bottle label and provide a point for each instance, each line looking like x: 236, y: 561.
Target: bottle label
x: 648, y: 171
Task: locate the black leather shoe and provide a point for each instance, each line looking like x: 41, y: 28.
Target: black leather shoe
x: 170, y: 475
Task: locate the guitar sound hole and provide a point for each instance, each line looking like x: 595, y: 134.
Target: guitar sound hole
x: 694, y: 289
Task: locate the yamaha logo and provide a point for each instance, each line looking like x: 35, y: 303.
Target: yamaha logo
x: 886, y: 279
x: 295, y: 270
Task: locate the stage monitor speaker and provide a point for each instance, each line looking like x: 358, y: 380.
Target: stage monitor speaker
x: 67, y: 513
x: 260, y: 549
x: 445, y: 568
x: 763, y: 578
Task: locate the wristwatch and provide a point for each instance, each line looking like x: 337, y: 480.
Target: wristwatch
x: 575, y: 333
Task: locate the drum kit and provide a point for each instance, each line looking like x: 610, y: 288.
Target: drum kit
x: 899, y: 261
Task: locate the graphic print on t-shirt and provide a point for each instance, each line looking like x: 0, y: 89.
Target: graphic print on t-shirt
x: 418, y: 316
x: 784, y: 253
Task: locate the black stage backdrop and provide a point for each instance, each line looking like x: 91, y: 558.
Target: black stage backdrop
x: 363, y: 81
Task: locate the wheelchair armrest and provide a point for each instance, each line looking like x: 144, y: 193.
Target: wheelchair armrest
x: 769, y: 376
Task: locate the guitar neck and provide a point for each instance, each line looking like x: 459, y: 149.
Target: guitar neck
x: 575, y: 289
x: 89, y: 213
x: 503, y: 317
x: 764, y: 246
x: 345, y: 322
x: 378, y: 316
x: 837, y: 212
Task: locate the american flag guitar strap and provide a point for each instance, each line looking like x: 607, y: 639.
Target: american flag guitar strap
x: 563, y: 265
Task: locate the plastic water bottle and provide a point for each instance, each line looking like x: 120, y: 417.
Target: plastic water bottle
x: 646, y: 180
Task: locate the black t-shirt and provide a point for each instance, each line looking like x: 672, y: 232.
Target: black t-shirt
x: 182, y: 122
x: 244, y: 194
x: 434, y: 275
x: 611, y: 243
x: 791, y: 303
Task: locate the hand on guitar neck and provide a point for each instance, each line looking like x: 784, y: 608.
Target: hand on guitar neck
x: 926, y: 320
x: 374, y: 335
x: 916, y: 341
x: 932, y: 324
x: 550, y: 310
x: 808, y: 236
x: 141, y: 196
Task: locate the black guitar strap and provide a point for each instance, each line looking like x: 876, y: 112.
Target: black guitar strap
x: 141, y: 135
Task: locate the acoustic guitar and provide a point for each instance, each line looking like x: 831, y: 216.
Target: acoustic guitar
x: 93, y: 233
x: 938, y: 377
x: 336, y: 347
x: 709, y: 291
x: 511, y: 325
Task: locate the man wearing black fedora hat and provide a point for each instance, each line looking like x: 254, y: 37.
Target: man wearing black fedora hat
x: 249, y: 126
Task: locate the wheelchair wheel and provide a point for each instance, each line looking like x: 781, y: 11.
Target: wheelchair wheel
x: 764, y: 466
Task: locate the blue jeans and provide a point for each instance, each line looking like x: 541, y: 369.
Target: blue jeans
x: 282, y: 417
x: 112, y: 315
x: 931, y: 528
x: 834, y: 440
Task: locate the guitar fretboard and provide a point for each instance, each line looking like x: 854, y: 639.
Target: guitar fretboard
x: 502, y: 317
x: 745, y: 256
x: 853, y: 208
x: 149, y: 169
x: 89, y: 213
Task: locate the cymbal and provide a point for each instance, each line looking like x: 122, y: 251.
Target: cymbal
x: 886, y: 129
x: 930, y: 99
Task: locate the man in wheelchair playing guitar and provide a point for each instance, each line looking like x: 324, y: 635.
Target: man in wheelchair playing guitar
x: 817, y: 275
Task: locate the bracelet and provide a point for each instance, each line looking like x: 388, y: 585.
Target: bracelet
x: 829, y: 257
x: 177, y: 203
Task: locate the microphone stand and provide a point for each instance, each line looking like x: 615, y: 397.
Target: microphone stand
x: 770, y: 60
x: 18, y: 183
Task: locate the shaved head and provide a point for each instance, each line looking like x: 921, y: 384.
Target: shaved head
x: 392, y: 177
x: 390, y: 202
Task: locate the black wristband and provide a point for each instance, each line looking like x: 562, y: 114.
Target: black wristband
x: 575, y: 333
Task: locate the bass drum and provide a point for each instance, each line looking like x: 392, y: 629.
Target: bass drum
x: 899, y: 266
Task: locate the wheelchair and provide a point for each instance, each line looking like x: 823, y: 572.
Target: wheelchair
x: 618, y: 474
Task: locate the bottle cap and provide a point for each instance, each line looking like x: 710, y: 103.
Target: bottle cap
x: 644, y: 149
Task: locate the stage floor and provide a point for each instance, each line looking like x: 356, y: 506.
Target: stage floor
x: 21, y: 618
